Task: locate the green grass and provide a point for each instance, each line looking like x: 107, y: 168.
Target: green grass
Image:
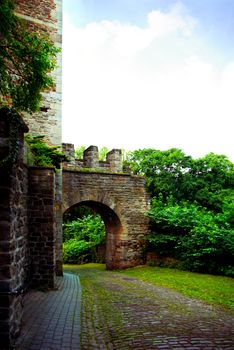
x: 216, y: 290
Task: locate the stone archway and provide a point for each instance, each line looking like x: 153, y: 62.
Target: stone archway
x: 114, y: 230
x: 122, y: 202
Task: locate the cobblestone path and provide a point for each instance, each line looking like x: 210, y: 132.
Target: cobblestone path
x: 124, y: 313
x: 52, y: 320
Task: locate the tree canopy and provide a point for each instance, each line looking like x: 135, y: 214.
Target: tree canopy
x: 26, y: 61
x: 192, y: 211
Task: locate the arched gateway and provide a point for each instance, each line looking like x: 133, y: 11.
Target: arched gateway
x: 119, y: 198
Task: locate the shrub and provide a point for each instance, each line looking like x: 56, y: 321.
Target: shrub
x: 43, y: 154
x: 76, y: 252
x: 81, y: 239
x: 197, y: 237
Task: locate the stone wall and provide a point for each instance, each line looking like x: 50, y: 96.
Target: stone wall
x: 13, y: 234
x: 45, y: 16
x: 90, y: 160
x: 122, y: 201
x: 27, y: 227
x: 41, y: 199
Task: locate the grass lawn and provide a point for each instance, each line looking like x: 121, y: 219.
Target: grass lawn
x: 215, y: 290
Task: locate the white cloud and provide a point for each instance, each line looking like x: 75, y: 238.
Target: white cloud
x: 133, y: 87
x: 163, y: 24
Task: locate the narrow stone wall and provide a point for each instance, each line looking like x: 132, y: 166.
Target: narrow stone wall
x: 13, y: 233
x: 41, y: 213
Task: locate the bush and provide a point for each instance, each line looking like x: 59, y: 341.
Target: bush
x: 43, y: 154
x: 197, y: 237
x: 81, y: 239
x: 76, y: 252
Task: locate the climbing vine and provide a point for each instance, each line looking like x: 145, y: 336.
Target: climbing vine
x: 26, y: 61
x: 15, y: 122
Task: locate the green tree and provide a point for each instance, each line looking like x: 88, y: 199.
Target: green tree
x: 212, y: 181
x: 192, y: 207
x: 192, y: 234
x: 166, y: 172
x: 103, y: 152
x: 79, y: 152
x: 208, y: 181
x: 82, y: 237
x: 26, y: 61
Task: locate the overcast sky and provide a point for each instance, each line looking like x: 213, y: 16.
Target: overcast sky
x: 149, y: 73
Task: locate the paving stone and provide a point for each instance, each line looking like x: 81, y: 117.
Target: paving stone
x: 135, y: 315
x: 132, y: 315
x: 50, y: 318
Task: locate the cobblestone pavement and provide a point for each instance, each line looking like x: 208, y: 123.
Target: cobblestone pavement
x: 123, y: 313
x: 52, y: 319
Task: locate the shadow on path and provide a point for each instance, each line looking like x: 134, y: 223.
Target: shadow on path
x: 52, y: 320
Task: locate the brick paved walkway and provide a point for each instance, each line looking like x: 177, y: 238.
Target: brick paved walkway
x: 121, y: 313
x: 52, y: 319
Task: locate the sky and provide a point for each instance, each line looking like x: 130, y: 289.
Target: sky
x: 149, y: 74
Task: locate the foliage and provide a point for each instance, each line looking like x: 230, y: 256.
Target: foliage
x: 26, y: 61
x: 192, y: 234
x: 15, y: 123
x: 192, y: 212
x: 102, y: 153
x: 207, y: 181
x: 79, y: 152
x: 165, y: 171
x: 82, y: 237
x: 76, y: 212
x: 43, y: 154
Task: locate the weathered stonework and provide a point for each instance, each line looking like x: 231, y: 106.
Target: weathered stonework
x: 27, y: 230
x: 91, y: 160
x: 120, y: 199
x: 13, y: 236
x: 41, y: 199
x: 45, y: 16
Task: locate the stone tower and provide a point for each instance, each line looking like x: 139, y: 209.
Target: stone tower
x: 46, y: 16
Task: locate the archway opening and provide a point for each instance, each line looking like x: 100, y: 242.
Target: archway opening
x: 91, y: 231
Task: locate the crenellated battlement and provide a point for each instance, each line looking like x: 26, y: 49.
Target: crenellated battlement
x: 90, y: 160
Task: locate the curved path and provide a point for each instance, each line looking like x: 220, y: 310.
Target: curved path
x: 52, y: 320
x: 121, y: 313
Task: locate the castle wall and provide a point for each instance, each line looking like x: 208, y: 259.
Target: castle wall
x: 46, y: 16
x: 27, y: 227
x: 122, y: 201
x: 14, y: 258
x: 41, y: 195
x: 90, y: 160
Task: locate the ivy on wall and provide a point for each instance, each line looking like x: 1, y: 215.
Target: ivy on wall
x: 15, y: 123
x: 44, y: 154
